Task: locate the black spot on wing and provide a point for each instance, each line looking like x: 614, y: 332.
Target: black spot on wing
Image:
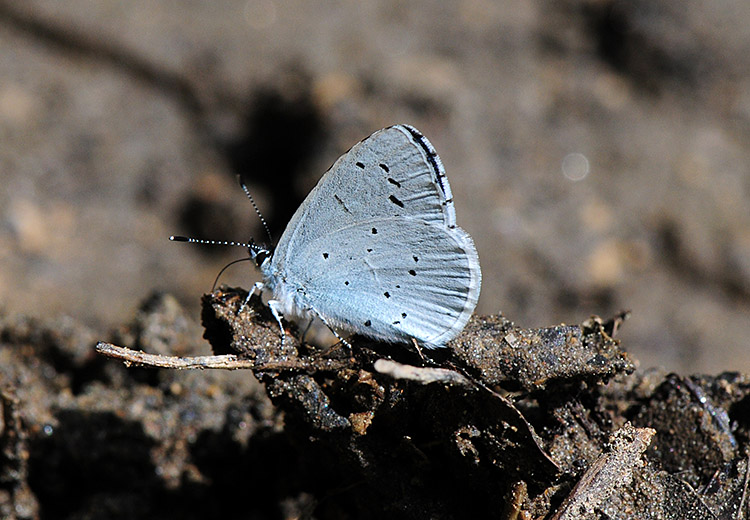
x: 374, y: 231
x: 396, y: 201
x: 384, y: 167
x: 412, y: 272
x: 360, y: 165
x: 394, y: 182
x: 341, y: 202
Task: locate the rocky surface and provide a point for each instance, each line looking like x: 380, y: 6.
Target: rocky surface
x: 363, y: 432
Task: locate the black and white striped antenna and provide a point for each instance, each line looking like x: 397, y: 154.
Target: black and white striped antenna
x: 251, y: 246
x: 255, y: 207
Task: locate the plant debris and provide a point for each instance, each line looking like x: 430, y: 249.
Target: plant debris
x: 525, y: 423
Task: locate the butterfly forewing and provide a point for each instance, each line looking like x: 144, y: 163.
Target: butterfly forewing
x: 393, y: 172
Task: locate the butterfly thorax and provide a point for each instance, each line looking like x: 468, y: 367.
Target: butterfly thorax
x: 291, y: 297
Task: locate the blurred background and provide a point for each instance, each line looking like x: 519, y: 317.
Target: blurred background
x: 598, y: 151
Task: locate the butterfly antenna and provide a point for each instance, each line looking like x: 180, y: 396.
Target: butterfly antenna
x: 179, y: 238
x: 255, y: 207
x: 250, y: 247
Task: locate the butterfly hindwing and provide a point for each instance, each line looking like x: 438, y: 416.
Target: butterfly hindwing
x: 408, y: 279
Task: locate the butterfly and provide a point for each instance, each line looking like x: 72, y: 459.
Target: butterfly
x: 374, y: 249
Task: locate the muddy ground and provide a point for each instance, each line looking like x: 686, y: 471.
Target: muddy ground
x: 506, y: 423
x: 598, y: 153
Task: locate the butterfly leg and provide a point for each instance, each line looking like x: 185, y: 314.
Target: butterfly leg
x: 257, y: 286
x: 419, y: 349
x: 307, y: 329
x: 275, y: 305
x: 342, y: 340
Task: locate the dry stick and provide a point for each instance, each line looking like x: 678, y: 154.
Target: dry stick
x: 698, y: 497
x: 608, y: 472
x: 424, y: 375
x: 224, y: 362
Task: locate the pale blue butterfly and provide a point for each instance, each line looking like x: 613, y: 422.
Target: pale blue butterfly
x: 374, y: 249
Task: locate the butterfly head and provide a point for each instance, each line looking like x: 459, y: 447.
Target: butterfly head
x: 260, y: 255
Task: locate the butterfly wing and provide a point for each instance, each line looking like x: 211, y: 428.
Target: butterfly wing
x: 393, y: 172
x: 393, y: 279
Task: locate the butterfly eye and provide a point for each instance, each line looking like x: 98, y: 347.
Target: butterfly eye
x: 259, y: 255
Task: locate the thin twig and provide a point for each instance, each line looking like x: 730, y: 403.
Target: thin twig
x: 422, y: 375
x: 607, y: 473
x: 698, y: 497
x: 224, y: 362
